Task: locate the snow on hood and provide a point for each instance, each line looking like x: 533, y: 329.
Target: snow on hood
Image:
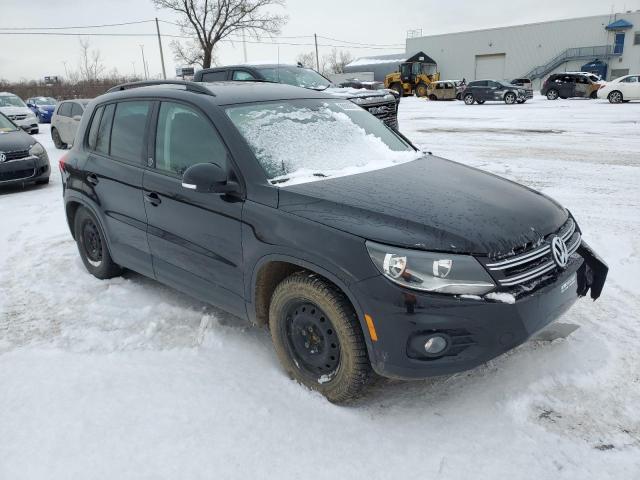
x: 349, y: 92
x: 16, y: 110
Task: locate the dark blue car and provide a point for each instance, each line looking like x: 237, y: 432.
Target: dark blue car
x: 43, y: 107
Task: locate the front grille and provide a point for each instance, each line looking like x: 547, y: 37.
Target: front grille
x: 17, y: 117
x: 385, y: 112
x: 535, y: 263
x: 16, y: 174
x: 15, y: 155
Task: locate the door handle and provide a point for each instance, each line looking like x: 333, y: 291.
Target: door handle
x: 152, y: 198
x: 92, y: 178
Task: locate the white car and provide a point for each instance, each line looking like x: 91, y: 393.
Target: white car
x: 65, y: 121
x: 17, y: 111
x: 621, y: 89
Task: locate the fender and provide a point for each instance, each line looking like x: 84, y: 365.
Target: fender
x: 250, y: 289
x: 85, y: 201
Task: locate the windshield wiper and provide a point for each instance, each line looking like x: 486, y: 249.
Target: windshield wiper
x: 279, y: 180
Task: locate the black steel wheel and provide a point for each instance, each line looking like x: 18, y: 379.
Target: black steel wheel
x: 93, y: 246
x: 318, y: 338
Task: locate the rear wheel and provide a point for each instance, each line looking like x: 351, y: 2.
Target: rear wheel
x: 468, y: 99
x: 594, y: 95
x: 421, y: 90
x: 510, y: 98
x: 615, y: 97
x: 93, y: 246
x: 552, y: 94
x: 57, y: 141
x: 480, y: 102
x: 318, y: 338
x: 433, y: 97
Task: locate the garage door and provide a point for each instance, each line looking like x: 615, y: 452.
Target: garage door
x: 490, y: 66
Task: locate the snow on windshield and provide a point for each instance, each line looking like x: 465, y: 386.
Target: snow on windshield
x: 310, y: 141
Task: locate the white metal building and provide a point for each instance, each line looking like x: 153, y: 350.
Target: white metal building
x: 535, y: 50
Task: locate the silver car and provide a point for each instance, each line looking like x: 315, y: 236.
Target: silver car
x: 18, y: 112
x: 65, y: 121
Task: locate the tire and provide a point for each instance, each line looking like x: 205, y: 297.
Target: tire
x: 616, y: 97
x: 398, y: 88
x: 459, y: 96
x: 57, y: 141
x: 510, y: 98
x: 93, y: 247
x: 318, y: 339
x: 468, y: 99
x: 553, y: 94
x: 480, y: 102
x: 521, y: 101
x: 433, y: 97
x: 594, y: 95
x: 421, y: 90
x: 34, y: 131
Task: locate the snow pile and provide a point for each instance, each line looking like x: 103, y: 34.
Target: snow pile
x: 501, y: 297
x: 304, y: 145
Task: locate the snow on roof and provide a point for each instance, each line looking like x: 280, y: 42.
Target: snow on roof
x: 381, y: 59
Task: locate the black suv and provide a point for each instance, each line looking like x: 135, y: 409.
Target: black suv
x: 381, y: 103
x: 299, y: 211
x: 570, y: 85
x: 480, y: 91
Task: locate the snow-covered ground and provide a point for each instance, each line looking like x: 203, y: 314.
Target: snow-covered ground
x: 129, y: 379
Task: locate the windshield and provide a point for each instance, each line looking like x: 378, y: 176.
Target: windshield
x: 42, y: 101
x: 299, y: 141
x: 296, y: 76
x: 6, y: 125
x: 11, y: 101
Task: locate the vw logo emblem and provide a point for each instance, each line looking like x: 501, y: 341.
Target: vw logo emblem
x: 559, y: 252
x: 3, y: 157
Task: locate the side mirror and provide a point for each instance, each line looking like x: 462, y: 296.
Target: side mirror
x: 77, y: 118
x: 208, y: 178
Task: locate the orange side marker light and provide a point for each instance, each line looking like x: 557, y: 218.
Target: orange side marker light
x: 371, y: 327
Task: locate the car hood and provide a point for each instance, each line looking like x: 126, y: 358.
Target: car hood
x: 16, y: 110
x: 47, y: 108
x: 430, y: 204
x: 349, y: 93
x: 16, y: 140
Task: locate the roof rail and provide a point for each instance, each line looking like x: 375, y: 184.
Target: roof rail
x: 189, y: 86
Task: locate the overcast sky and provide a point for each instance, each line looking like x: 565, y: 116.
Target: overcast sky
x: 363, y: 21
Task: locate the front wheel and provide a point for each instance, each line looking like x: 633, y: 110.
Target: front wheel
x: 421, y: 90
x: 468, y: 99
x: 510, y: 98
x: 318, y: 338
x: 93, y: 246
x: 615, y: 97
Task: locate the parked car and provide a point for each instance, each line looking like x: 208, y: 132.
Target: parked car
x: 382, y: 104
x: 480, y: 91
x: 65, y: 121
x: 569, y: 85
x: 18, y: 112
x: 23, y: 161
x: 526, y: 84
x: 445, y: 90
x: 43, y: 108
x: 266, y: 201
x: 370, y: 85
x: 623, y: 89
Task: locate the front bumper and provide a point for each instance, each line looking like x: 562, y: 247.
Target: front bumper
x: 29, y: 124
x: 478, y: 330
x: 23, y: 171
x: 44, y: 117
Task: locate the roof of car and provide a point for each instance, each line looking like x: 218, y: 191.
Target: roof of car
x: 230, y: 92
x: 252, y: 65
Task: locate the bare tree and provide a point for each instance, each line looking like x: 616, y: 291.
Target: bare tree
x: 337, y: 60
x: 208, y: 22
x: 90, y: 66
x: 307, y: 59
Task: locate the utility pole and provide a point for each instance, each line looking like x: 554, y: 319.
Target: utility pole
x: 317, y: 58
x: 164, y: 72
x: 144, y: 63
x: 66, y: 72
x: 244, y: 45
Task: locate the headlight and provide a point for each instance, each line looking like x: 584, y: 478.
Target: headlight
x: 431, y: 271
x: 38, y: 150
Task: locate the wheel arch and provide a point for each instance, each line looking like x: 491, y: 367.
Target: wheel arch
x: 72, y: 204
x: 270, y: 270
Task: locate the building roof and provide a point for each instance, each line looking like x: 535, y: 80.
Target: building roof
x: 619, y: 25
x: 393, y: 58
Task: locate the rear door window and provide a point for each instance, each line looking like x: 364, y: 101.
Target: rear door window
x: 93, y: 129
x: 242, y: 75
x: 76, y: 109
x: 104, y: 131
x: 128, y: 131
x: 214, y: 76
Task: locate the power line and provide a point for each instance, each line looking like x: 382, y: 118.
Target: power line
x: 78, y: 27
x: 363, y: 44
